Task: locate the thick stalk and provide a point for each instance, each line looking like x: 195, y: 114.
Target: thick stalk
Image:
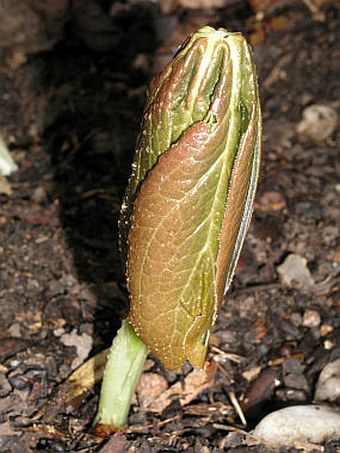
x: 123, y: 369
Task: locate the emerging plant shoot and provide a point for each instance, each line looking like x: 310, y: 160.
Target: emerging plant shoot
x: 190, y: 196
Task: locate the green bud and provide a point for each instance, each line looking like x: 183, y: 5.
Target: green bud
x: 190, y: 196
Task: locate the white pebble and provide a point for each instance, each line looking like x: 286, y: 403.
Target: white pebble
x: 328, y: 386
x: 312, y: 424
x: 311, y: 318
x: 7, y: 164
x: 318, y: 122
x: 294, y: 270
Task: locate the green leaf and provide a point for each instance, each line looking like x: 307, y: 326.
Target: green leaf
x: 190, y: 196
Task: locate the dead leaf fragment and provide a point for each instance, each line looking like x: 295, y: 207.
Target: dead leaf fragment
x: 82, y: 343
x: 325, y: 329
x: 80, y: 381
x: 5, y: 187
x: 271, y: 201
x: 150, y: 386
x: 117, y: 444
x: 194, y: 383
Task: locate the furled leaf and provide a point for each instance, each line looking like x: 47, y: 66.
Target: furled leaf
x: 190, y: 196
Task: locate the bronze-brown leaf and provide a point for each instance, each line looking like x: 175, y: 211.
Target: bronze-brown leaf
x: 190, y: 196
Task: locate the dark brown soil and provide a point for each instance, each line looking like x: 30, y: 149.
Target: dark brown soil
x: 71, y: 98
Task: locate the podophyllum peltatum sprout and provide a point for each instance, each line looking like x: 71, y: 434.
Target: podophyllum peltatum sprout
x: 187, y: 208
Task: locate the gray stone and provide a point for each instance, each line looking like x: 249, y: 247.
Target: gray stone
x: 313, y: 424
x: 328, y: 386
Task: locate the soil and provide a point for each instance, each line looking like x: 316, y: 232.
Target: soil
x: 71, y: 99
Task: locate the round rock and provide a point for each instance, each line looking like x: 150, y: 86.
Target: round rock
x: 318, y: 122
x: 309, y: 423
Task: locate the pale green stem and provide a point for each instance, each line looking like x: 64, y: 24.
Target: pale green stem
x: 123, y: 369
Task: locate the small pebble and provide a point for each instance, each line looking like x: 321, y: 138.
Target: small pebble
x: 15, y: 330
x: 328, y: 345
x: 15, y: 363
x: 59, y: 332
x: 328, y: 386
x: 305, y: 423
x: 286, y: 350
x: 294, y: 271
x: 296, y: 319
x: 311, y: 318
x: 293, y: 376
x: 3, y: 221
x: 55, y: 445
x: 296, y: 381
x: 142, y: 62
x: 318, y: 122
x: 54, y: 288
x: 39, y: 195
x: 20, y: 382
x: 291, y: 365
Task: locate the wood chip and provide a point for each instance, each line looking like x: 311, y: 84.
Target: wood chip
x: 252, y: 373
x: 5, y: 187
x: 42, y: 239
x: 325, y: 329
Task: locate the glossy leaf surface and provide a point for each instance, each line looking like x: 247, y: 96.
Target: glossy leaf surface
x: 190, y: 196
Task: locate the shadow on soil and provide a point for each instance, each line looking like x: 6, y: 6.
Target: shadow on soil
x: 91, y: 143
